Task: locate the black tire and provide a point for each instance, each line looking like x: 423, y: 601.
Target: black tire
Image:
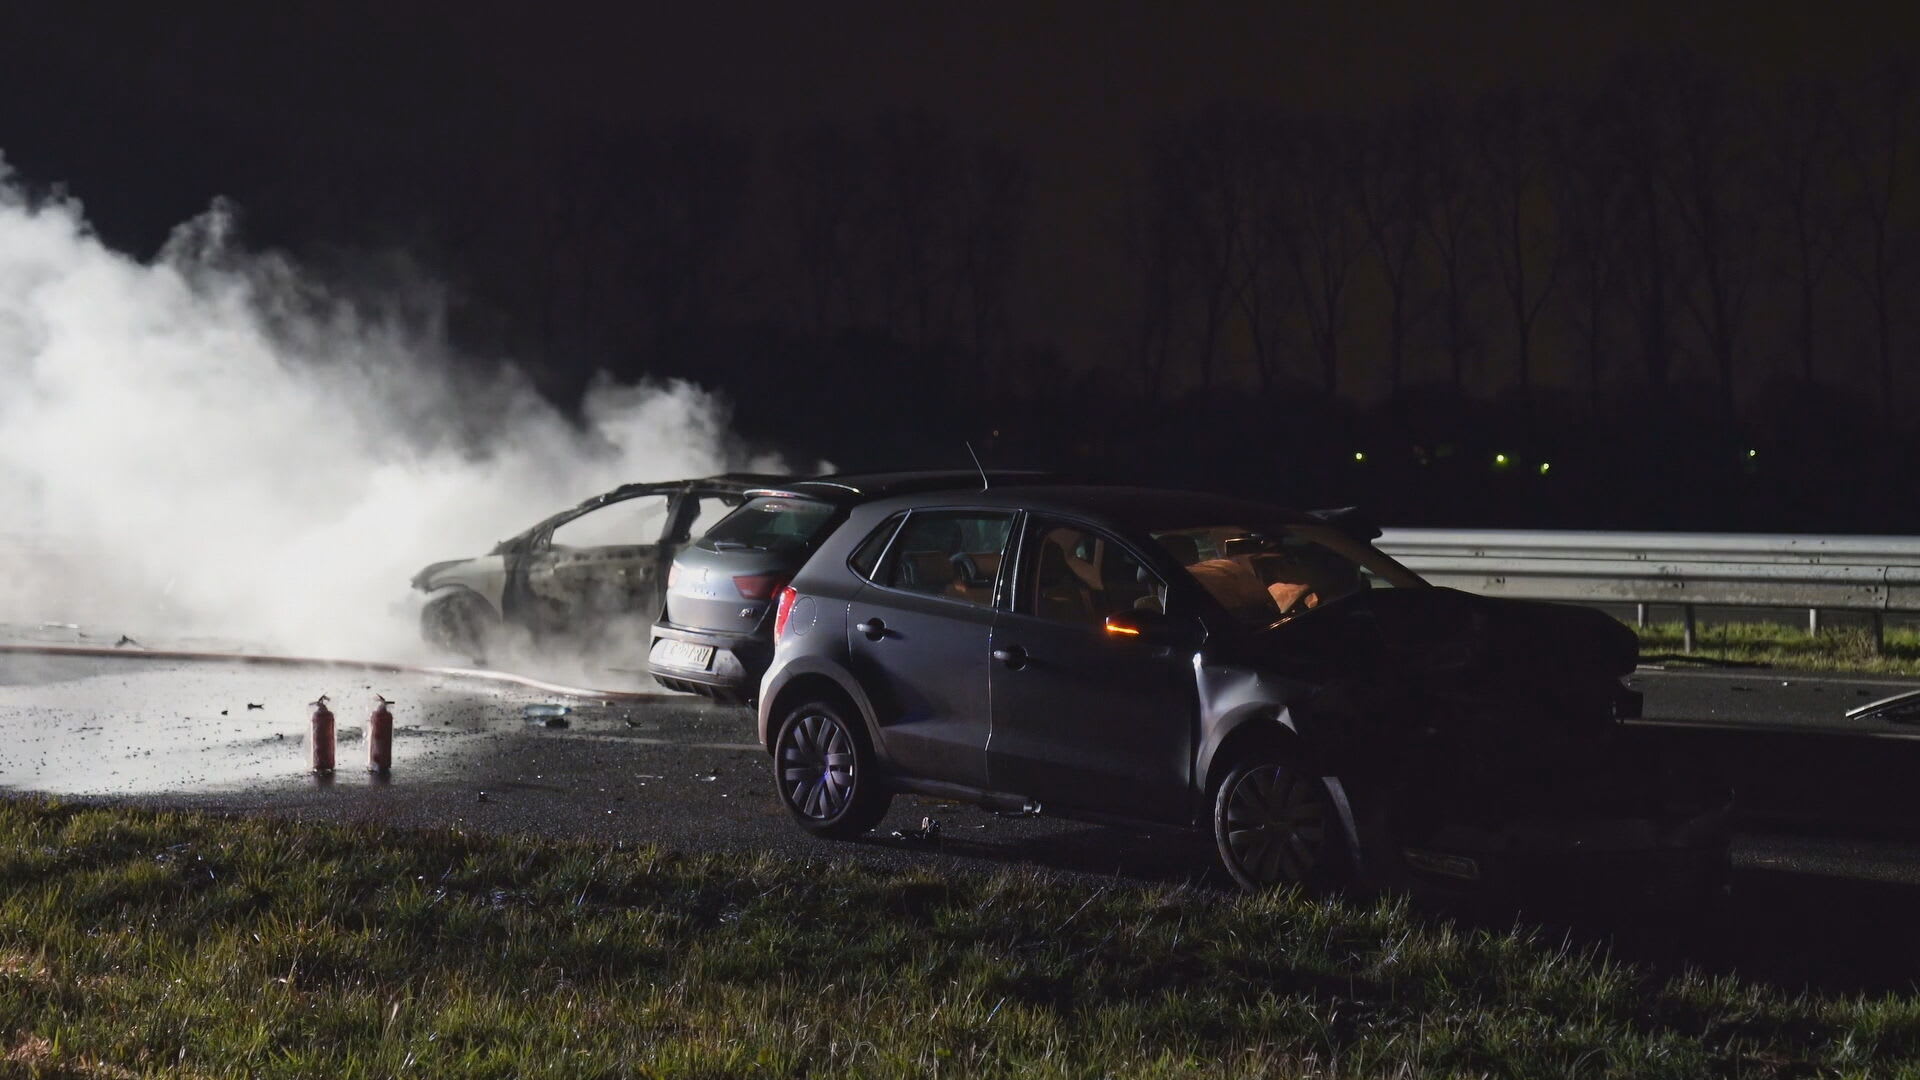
x: 461, y: 623
x: 823, y: 770
x: 1275, y: 825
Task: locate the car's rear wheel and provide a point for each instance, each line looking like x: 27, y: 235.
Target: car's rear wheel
x: 1275, y: 825
x: 823, y: 768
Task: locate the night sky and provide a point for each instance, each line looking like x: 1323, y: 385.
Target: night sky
x: 462, y: 133
x: 148, y: 112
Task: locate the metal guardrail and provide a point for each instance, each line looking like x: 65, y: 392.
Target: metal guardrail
x: 1868, y: 574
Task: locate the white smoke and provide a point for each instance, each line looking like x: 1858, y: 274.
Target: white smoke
x: 209, y: 445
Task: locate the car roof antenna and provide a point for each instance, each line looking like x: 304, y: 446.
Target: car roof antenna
x: 976, y: 463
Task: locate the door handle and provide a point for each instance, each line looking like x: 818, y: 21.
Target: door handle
x: 873, y: 628
x: 1013, y: 656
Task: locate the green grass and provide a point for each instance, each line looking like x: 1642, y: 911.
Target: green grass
x: 145, y: 943
x: 1776, y: 645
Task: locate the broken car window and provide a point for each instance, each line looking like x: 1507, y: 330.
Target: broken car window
x: 709, y: 511
x: 631, y: 522
x: 1262, y: 575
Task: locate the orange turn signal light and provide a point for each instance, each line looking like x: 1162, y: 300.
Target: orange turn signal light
x: 1122, y: 628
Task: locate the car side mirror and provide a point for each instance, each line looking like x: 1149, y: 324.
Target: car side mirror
x: 1153, y: 628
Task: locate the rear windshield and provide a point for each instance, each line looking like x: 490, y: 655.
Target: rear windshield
x: 769, y: 525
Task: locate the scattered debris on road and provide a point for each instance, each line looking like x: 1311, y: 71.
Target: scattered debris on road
x: 927, y: 833
x: 553, y: 716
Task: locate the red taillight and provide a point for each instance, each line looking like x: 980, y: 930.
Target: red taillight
x: 787, y: 596
x: 760, y: 586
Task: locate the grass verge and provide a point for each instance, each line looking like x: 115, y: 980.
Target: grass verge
x: 138, y: 943
x: 1775, y: 645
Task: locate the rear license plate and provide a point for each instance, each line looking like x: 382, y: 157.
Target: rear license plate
x: 686, y: 654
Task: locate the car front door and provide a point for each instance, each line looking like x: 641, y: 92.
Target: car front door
x: 1084, y: 719
x: 919, y: 637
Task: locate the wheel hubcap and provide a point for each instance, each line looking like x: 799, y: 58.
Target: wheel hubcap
x: 817, y: 767
x: 1276, y: 824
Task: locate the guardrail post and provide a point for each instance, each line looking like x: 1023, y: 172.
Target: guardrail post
x: 1813, y: 622
x: 1640, y: 616
x: 1686, y: 623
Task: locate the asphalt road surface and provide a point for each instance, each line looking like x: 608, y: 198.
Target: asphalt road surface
x: 1831, y: 899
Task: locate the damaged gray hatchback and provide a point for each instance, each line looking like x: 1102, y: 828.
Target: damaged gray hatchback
x: 1263, y: 675
x: 591, y: 571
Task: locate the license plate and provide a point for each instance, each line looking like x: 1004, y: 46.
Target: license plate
x: 686, y: 654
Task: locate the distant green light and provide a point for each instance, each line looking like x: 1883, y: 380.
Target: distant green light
x: 1545, y: 467
x: 1360, y: 456
x: 1502, y: 460
x: 1753, y: 453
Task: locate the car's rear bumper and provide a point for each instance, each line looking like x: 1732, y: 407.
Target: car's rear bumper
x: 730, y: 673
x: 1616, y: 861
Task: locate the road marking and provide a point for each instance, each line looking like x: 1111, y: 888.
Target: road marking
x: 596, y: 736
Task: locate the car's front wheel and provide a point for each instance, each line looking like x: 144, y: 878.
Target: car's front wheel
x: 823, y: 767
x: 461, y: 623
x: 1275, y: 824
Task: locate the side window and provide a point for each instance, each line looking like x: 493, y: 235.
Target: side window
x: 951, y: 553
x: 1075, y: 575
x: 629, y: 522
x: 866, y: 559
x: 707, y: 512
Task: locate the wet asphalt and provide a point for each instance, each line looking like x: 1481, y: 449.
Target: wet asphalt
x: 1823, y: 902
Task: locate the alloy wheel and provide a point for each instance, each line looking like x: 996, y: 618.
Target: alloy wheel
x: 817, y: 767
x: 1276, y: 824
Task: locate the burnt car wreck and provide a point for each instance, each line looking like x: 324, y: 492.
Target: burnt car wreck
x: 591, y: 571
x: 1261, y: 675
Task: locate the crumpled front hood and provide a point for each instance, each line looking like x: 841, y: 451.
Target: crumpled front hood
x: 1448, y: 637
x: 424, y: 579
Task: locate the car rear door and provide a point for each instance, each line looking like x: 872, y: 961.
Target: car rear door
x: 1083, y: 719
x: 599, y: 567
x: 919, y: 637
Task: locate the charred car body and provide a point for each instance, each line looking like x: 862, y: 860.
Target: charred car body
x: 715, y: 635
x: 1263, y: 675
x: 588, y: 570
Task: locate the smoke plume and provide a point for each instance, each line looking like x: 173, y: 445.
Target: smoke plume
x: 210, y: 445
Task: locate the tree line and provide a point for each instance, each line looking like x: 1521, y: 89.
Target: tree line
x: 1669, y: 225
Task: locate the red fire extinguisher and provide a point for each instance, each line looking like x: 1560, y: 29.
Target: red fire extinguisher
x: 320, y: 738
x: 380, y: 737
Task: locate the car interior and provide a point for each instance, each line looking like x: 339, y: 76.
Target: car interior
x: 1079, y: 577
x: 1263, y: 578
x: 950, y: 555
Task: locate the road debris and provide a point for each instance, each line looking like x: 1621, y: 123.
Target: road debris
x: 927, y: 833
x: 255, y: 705
x: 553, y: 716
x: 125, y: 641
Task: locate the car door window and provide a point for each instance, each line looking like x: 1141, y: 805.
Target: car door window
x: 950, y: 553
x: 1073, y: 574
x: 631, y: 522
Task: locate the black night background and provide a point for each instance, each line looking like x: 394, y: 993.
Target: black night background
x: 1602, y: 266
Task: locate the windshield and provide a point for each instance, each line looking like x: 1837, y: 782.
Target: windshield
x: 1262, y: 575
x: 769, y: 525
